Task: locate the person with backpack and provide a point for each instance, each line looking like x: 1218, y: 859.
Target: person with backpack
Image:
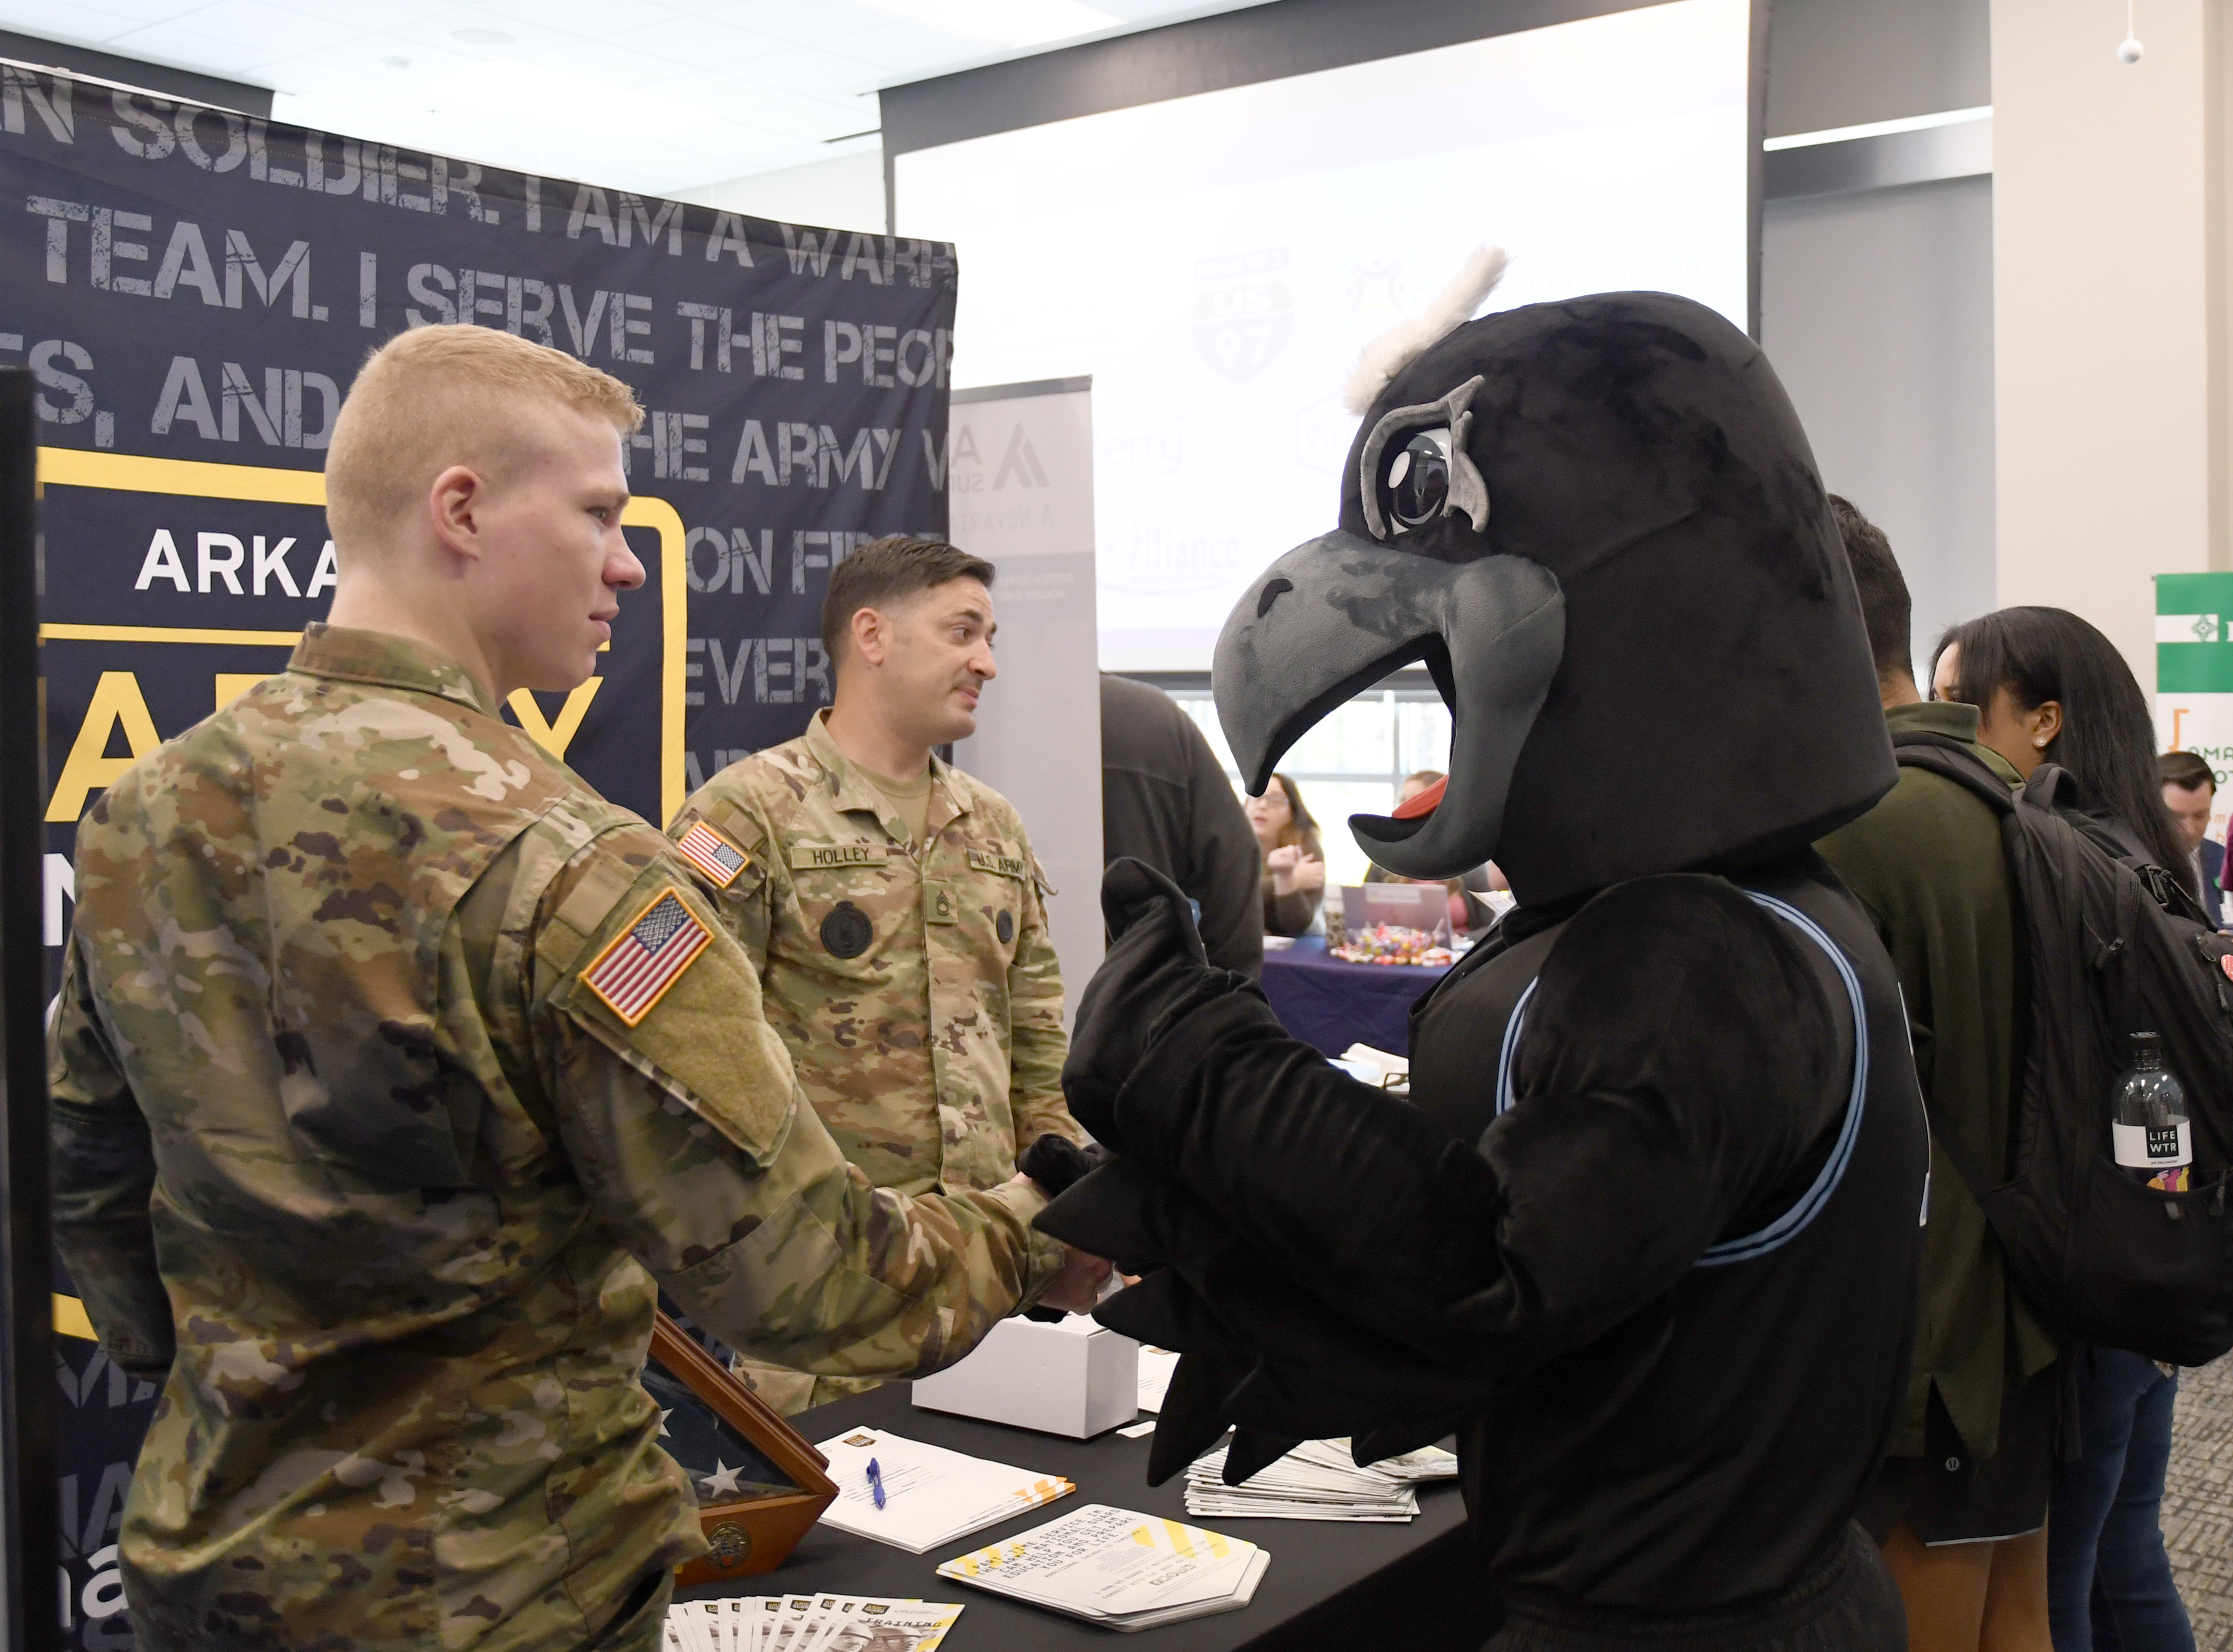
x: 1960, y: 1508
x: 2052, y: 689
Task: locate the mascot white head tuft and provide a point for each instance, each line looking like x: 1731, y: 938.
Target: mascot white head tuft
x: 1396, y: 349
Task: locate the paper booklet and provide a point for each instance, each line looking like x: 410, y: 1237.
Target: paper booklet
x: 932, y: 1495
x: 1317, y: 1481
x: 1117, y: 1568
x: 808, y: 1623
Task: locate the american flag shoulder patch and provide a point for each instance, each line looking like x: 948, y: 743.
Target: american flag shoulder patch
x: 648, y: 957
x: 720, y: 861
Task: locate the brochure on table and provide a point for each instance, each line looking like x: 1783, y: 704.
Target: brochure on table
x: 930, y: 1495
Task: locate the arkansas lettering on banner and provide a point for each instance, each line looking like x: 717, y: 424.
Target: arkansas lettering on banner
x: 193, y: 290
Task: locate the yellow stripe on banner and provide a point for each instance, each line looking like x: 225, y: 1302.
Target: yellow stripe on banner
x: 165, y: 633
x: 195, y: 478
x: 74, y: 467
x: 70, y: 1318
x: 674, y: 616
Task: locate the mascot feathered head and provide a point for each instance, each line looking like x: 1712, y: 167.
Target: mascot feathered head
x: 1598, y: 524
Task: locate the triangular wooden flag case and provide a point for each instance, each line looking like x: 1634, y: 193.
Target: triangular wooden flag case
x: 753, y: 1509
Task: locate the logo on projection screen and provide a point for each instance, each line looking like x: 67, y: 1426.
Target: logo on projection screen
x: 1239, y: 330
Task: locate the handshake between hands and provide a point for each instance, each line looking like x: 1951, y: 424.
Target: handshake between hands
x: 1155, y: 972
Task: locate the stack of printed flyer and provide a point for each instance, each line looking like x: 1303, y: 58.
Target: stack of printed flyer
x: 807, y: 1623
x: 1317, y: 1481
x: 930, y: 1495
x: 1117, y: 1568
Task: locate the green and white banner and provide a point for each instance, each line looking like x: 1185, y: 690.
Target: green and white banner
x: 2194, y: 674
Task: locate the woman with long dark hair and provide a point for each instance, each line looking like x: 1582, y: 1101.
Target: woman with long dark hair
x: 2050, y: 689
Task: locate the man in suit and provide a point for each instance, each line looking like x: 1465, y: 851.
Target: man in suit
x: 2190, y: 791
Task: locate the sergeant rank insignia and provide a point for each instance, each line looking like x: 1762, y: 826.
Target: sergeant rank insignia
x: 634, y: 972
x: 713, y: 854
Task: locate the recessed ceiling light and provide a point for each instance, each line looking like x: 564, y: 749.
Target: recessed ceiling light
x: 1001, y: 22
x: 481, y: 37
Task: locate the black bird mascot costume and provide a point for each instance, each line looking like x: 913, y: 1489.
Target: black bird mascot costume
x: 1644, y: 1235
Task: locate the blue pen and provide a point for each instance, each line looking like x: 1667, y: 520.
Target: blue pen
x: 875, y: 1482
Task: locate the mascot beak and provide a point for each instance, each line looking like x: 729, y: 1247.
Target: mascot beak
x: 1336, y: 615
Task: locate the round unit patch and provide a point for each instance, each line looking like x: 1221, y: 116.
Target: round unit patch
x: 1005, y: 928
x: 846, y: 932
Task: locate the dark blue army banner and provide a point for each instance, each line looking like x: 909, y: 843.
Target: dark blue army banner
x: 193, y: 290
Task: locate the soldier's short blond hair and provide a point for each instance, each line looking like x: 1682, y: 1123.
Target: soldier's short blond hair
x: 437, y: 396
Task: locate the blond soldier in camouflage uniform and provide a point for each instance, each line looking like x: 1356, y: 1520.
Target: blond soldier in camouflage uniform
x: 394, y: 1071
x: 892, y: 904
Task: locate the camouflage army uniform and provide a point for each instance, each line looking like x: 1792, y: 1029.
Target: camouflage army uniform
x: 350, y: 1141
x: 914, y: 985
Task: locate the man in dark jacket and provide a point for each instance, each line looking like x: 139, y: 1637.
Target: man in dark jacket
x: 1165, y: 800
x: 1962, y: 1507
x: 2190, y: 791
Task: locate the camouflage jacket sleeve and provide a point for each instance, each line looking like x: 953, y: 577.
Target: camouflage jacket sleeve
x: 104, y: 1176
x: 1037, y: 1044
x: 689, y: 1132
x: 742, y: 897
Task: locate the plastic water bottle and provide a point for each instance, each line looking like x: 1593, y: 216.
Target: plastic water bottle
x: 2153, y: 1142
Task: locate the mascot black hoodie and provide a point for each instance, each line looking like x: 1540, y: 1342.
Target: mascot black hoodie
x: 1645, y: 1235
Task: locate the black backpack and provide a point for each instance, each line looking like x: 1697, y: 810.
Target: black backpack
x: 2108, y: 945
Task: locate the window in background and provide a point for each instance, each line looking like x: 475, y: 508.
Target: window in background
x: 1351, y: 762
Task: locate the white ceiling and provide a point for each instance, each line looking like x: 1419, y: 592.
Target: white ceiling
x: 644, y: 94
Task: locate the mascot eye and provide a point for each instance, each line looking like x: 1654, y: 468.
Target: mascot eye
x: 1414, y: 470
x: 1418, y: 482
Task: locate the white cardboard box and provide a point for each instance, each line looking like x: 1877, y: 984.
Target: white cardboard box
x: 1074, y: 1378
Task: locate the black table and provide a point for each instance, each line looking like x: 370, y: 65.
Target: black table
x: 1330, y: 1585
x: 1330, y: 1005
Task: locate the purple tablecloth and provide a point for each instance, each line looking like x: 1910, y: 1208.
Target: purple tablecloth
x: 1330, y: 1005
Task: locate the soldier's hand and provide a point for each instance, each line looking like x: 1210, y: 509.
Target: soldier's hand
x: 1078, y: 1286
x: 1155, y: 970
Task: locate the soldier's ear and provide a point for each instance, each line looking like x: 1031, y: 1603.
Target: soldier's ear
x: 453, y: 506
x: 871, y: 630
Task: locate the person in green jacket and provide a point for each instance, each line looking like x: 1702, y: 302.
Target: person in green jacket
x: 1961, y: 1508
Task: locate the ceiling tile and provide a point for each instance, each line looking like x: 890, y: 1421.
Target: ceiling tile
x: 47, y: 21
x: 357, y: 17
x: 87, y: 26
x: 167, y: 43
x: 775, y: 110
x: 584, y: 19
x: 441, y: 30
x: 911, y: 51
x: 803, y: 25
x: 705, y: 42
x: 362, y: 65
x: 802, y: 69
x: 273, y: 31
x: 605, y: 62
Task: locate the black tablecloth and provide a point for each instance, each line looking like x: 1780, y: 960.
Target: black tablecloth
x: 1330, y: 1585
x: 1330, y: 1005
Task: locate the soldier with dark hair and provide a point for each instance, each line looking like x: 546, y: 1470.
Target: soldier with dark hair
x: 395, y: 1072
x: 891, y: 905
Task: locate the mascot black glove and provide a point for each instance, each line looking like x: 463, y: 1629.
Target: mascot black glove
x: 1259, y: 1353
x: 1155, y: 973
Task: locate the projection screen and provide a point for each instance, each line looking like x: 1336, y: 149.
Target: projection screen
x: 1216, y: 261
